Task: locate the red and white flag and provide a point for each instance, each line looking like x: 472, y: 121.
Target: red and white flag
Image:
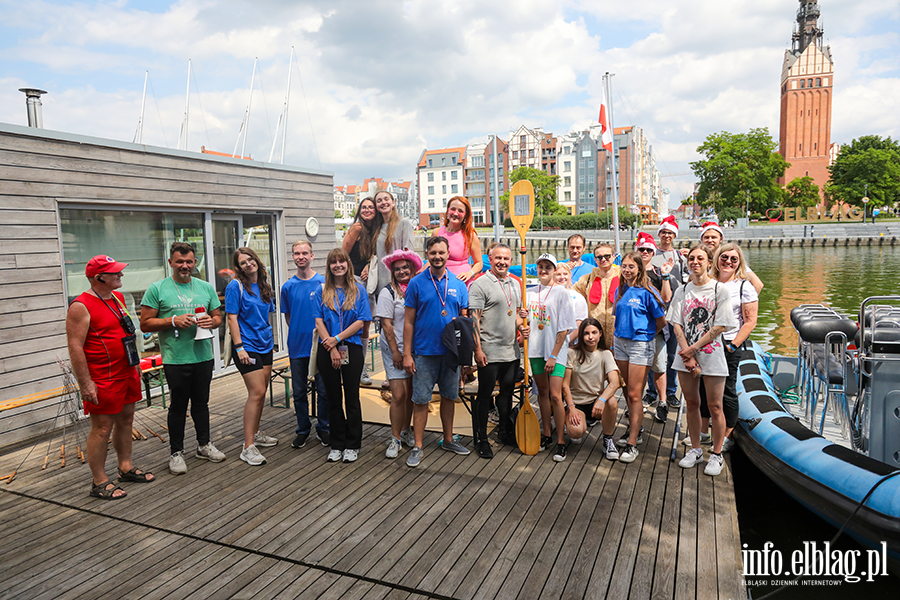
x: 606, y: 134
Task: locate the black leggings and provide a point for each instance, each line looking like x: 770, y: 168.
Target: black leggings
x: 188, y: 383
x: 505, y: 373
x: 346, y: 429
x: 730, y: 405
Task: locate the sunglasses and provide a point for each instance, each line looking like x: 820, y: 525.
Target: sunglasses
x: 642, y: 250
x: 730, y: 259
x: 696, y: 259
x: 603, y: 256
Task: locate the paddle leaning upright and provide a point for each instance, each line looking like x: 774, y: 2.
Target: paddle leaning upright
x: 528, y: 431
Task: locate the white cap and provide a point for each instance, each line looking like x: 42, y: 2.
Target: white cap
x: 548, y: 257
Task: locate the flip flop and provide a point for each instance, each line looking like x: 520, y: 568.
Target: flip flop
x: 99, y: 490
x: 134, y: 476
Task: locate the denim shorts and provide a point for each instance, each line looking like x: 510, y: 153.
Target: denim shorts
x: 431, y: 370
x: 661, y: 355
x: 390, y: 371
x: 635, y: 352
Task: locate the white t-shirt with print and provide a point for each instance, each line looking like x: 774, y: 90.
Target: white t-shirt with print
x: 552, y: 308
x: 698, y: 309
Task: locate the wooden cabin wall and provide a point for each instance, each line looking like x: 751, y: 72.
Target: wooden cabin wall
x: 40, y: 170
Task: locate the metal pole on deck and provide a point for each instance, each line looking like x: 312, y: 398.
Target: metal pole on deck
x: 615, y: 170
x: 495, y: 192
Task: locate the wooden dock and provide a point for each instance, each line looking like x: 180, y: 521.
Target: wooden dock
x: 456, y: 527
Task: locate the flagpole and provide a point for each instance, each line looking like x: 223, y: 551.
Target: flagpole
x: 612, y: 158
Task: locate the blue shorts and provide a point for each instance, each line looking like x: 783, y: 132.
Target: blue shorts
x: 431, y: 370
x: 635, y: 352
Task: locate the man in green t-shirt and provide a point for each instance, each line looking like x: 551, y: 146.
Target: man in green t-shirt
x: 169, y: 308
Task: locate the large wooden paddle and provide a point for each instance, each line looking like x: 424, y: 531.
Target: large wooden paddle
x: 521, y: 209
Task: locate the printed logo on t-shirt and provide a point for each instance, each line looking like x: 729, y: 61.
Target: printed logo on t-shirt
x: 698, y: 321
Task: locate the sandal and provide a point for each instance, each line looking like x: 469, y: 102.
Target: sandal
x: 135, y: 477
x: 100, y: 490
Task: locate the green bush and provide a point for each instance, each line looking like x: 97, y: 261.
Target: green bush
x: 582, y: 222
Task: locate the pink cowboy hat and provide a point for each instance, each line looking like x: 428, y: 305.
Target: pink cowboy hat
x: 403, y: 255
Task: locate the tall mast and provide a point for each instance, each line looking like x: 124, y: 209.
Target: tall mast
x: 139, y: 134
x: 612, y: 130
x: 245, y: 124
x: 183, y: 135
x: 282, y: 119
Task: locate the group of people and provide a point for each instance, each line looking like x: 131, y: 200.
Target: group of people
x: 592, y: 327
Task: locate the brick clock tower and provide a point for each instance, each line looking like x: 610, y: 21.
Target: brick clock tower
x: 807, y: 77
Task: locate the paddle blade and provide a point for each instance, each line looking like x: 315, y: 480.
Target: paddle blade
x: 528, y: 430
x: 521, y: 206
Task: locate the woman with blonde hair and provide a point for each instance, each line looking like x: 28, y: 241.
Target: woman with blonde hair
x: 396, y: 233
x: 464, y: 244
x: 341, y: 308
x: 248, y: 301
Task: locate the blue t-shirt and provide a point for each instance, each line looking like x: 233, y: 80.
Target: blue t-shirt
x: 253, y: 316
x: 422, y: 295
x: 636, y: 314
x: 338, y: 320
x: 587, y: 265
x: 297, y: 302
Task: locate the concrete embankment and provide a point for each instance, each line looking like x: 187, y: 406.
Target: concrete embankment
x: 774, y: 235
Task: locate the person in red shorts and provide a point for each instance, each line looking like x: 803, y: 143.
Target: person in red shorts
x: 101, y: 340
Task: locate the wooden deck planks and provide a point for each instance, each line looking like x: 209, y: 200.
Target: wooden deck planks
x: 461, y: 527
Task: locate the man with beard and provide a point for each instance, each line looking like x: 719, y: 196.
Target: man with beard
x: 433, y: 299
x: 168, y: 307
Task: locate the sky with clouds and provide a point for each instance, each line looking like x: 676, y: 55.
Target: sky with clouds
x: 375, y: 82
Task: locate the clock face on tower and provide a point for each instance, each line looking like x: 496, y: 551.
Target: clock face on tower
x: 312, y: 227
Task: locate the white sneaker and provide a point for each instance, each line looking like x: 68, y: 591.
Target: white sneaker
x: 364, y: 378
x: 210, y: 453
x: 177, y: 466
x: 408, y: 437
x: 335, y: 456
x: 252, y: 456
x: 350, y: 455
x: 715, y: 464
x: 705, y: 440
x: 263, y: 440
x: 691, y: 458
x: 727, y: 445
x: 393, y: 450
x: 629, y: 454
x: 610, y: 447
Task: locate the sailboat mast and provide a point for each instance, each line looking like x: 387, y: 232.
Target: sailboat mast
x: 139, y: 134
x: 287, y: 101
x: 245, y: 126
x: 615, y: 204
x: 187, y: 104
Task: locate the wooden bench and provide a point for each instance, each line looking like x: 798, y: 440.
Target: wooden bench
x: 31, y: 398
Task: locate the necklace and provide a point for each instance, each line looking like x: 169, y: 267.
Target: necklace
x: 446, y: 287
x: 507, y: 296
x: 542, y: 305
x: 187, y: 302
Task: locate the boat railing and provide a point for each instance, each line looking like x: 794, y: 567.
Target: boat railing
x: 878, y: 404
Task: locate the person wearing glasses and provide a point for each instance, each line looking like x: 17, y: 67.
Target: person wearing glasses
x: 599, y: 290
x: 700, y: 312
x: 97, y: 327
x: 728, y: 269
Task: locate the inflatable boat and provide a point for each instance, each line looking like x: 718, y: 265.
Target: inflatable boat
x: 834, y: 443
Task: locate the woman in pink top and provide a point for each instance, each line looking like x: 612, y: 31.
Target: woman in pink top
x: 462, y: 239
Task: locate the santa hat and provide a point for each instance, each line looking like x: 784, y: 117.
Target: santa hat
x: 668, y: 224
x: 645, y: 240
x: 711, y: 225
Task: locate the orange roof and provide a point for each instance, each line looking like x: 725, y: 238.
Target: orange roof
x: 404, y: 184
x: 461, y: 151
x: 622, y: 129
x: 203, y: 150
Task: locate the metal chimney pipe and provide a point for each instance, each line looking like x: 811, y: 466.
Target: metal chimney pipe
x: 33, y: 102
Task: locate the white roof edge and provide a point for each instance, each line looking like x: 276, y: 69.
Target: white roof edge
x: 50, y: 134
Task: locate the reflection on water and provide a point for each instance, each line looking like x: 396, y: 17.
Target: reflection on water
x: 840, y: 277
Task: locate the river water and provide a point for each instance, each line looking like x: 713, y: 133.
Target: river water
x: 840, y: 277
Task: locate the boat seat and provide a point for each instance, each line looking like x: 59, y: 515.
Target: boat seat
x: 883, y: 339
x: 814, y: 329
x: 808, y: 310
x: 835, y: 375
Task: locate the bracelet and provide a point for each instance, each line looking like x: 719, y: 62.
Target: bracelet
x: 173, y: 322
x: 338, y: 338
x: 665, y: 277
x: 238, y: 347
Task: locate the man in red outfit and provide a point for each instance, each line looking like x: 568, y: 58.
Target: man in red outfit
x: 103, y: 352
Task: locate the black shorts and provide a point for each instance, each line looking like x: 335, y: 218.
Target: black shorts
x: 260, y: 361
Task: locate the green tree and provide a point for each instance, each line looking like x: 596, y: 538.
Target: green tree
x: 871, y: 161
x: 735, y: 163
x: 802, y: 192
x: 545, y: 187
x: 337, y: 214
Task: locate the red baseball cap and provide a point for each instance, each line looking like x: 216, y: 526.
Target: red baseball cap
x: 103, y: 264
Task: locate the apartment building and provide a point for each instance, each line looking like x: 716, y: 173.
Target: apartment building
x: 440, y: 175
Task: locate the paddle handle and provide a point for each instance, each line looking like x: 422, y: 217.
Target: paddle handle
x: 522, y: 251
